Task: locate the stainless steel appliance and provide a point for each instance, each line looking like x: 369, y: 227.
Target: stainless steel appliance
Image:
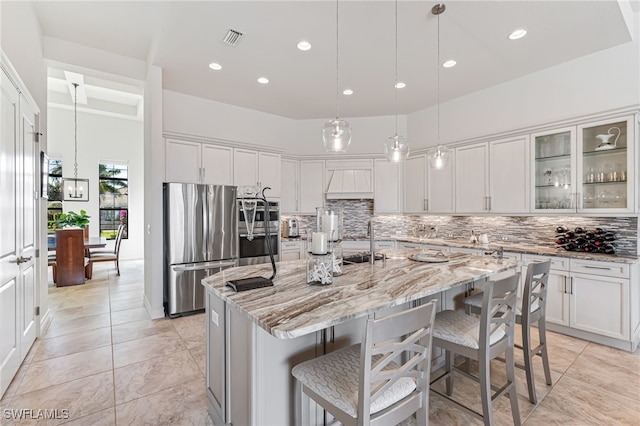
x: 294, y: 230
x: 200, y: 239
x: 256, y: 251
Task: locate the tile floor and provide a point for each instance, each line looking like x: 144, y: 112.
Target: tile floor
x: 105, y: 362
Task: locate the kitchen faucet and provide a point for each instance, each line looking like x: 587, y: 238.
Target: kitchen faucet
x: 372, y: 243
x: 499, y: 252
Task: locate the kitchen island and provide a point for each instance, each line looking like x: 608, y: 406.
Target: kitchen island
x: 254, y: 338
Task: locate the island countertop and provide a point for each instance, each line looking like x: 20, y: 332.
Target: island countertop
x: 292, y: 308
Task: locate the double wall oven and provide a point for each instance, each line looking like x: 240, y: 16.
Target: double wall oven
x: 256, y: 251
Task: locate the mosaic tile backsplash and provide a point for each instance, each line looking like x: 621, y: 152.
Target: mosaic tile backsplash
x: 532, y: 230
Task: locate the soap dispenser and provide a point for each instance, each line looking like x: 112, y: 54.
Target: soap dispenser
x: 473, y: 238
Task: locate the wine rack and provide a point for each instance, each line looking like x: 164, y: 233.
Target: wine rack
x: 598, y: 240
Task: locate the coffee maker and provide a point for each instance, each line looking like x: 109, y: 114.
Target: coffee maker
x: 291, y: 228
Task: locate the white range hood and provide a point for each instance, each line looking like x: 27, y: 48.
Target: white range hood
x: 350, y: 184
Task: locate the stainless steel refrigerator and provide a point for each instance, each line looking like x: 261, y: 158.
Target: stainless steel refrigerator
x: 200, y: 239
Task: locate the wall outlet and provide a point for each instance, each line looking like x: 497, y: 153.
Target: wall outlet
x: 214, y: 317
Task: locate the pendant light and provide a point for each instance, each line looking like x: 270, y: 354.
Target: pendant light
x: 336, y: 133
x: 75, y: 189
x: 439, y: 156
x: 396, y: 147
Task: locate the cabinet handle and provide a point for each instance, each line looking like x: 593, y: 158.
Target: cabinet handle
x: 571, y: 278
x: 203, y: 174
x: 606, y: 268
x: 426, y: 204
x: 489, y: 197
x: 564, y: 285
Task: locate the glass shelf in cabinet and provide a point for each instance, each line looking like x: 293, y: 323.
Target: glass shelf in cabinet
x: 552, y: 185
x: 619, y: 150
x: 553, y: 157
x: 611, y: 182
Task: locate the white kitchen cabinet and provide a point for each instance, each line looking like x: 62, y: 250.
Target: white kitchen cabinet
x: 290, y: 250
x: 387, y: 187
x: 415, y: 184
x: 472, y: 176
x: 311, y: 186
x: 196, y: 162
x: 441, y: 187
x: 269, y: 172
x: 245, y: 168
x: 289, y: 186
x: 509, y: 166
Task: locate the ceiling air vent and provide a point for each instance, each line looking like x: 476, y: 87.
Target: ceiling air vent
x: 232, y: 38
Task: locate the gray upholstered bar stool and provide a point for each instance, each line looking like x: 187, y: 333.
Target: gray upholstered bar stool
x: 382, y: 381
x: 482, y: 339
x: 530, y: 310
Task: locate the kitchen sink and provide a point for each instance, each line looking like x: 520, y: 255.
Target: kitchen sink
x: 360, y: 258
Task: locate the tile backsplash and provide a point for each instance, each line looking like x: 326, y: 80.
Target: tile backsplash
x: 533, y: 230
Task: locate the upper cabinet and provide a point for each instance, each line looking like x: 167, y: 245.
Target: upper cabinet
x: 269, y: 173
x: 195, y: 162
x: 415, y: 184
x: 588, y: 168
x: 509, y: 166
x: 387, y: 195
x: 427, y: 190
x: 251, y: 167
x: 472, y: 178
x: 311, y: 186
x: 441, y: 187
x: 289, y: 186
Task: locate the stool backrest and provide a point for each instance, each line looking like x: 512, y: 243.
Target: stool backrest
x: 534, y: 293
x: 404, y: 338
x: 498, y: 309
x: 119, y: 235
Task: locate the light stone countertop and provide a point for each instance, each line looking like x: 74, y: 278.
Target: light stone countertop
x: 292, y: 308
x: 541, y: 250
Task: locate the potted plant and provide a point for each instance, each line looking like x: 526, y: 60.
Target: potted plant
x: 73, y: 219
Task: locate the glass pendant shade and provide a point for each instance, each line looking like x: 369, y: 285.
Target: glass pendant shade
x: 396, y: 148
x: 438, y: 158
x: 336, y: 135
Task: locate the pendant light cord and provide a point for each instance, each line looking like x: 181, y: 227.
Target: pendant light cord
x: 396, y: 85
x: 438, y: 76
x: 75, y: 130
x: 337, y: 67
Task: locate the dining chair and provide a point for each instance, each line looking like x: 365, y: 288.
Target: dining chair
x: 381, y: 381
x: 482, y: 339
x: 107, y: 255
x: 69, y: 268
x: 530, y: 310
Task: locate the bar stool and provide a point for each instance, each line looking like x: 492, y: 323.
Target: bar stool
x: 530, y: 310
x: 482, y: 339
x: 381, y: 381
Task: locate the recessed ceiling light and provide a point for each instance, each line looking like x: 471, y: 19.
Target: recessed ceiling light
x: 263, y: 80
x: 215, y: 66
x: 347, y: 92
x: 517, y: 34
x: 304, y: 45
x: 400, y: 85
x: 450, y: 63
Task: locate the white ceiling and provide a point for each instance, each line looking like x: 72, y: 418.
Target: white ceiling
x: 184, y: 37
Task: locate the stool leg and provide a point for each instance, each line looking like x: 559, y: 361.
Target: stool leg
x: 449, y: 356
x: 485, y: 388
x: 511, y: 378
x: 528, y: 361
x: 542, y: 332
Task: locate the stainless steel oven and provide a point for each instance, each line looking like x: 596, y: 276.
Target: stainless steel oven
x: 256, y: 251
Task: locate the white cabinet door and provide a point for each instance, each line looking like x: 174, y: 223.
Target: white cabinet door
x: 557, y: 307
x: 415, y: 181
x: 387, y: 187
x: 441, y: 187
x: 289, y: 186
x: 311, y: 186
x: 509, y: 175
x: 182, y: 161
x: 472, y: 179
x: 245, y: 168
x: 269, y: 167
x: 217, y: 165
x: 599, y: 305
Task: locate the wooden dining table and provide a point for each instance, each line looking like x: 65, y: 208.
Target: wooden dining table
x: 71, y: 270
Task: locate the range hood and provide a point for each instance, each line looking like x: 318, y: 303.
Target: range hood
x: 349, y: 184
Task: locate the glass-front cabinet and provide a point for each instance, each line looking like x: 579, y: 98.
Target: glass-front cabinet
x: 554, y: 170
x: 586, y: 169
x: 606, y: 168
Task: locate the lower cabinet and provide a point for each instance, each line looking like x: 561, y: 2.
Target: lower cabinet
x: 290, y: 250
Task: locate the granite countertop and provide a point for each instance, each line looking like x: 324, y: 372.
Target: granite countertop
x: 292, y: 308
x: 541, y: 250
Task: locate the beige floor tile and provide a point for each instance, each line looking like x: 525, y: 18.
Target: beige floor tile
x: 182, y: 405
x: 83, y: 311
x: 129, y: 315
x: 43, y: 374
x: 137, y: 329
x: 77, y: 300
x: 60, y: 327
x: 199, y: 354
x: 154, y: 375
x: 101, y: 418
x: 32, y: 352
x: 133, y: 351
x: 624, y: 359
x: 80, y: 397
x: 122, y: 305
x: 126, y: 286
x: 575, y: 402
x: 15, y: 383
x: 124, y: 295
x: 443, y: 414
x: 192, y: 329
x: 73, y: 343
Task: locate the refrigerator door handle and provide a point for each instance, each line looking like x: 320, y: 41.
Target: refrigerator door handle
x: 207, y: 265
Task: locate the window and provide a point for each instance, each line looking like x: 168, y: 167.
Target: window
x: 54, y: 204
x: 114, y: 199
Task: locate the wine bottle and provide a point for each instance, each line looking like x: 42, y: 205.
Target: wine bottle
x: 561, y: 240
x: 589, y: 248
x: 599, y: 231
x: 589, y: 235
x: 570, y: 235
x: 580, y: 241
x: 609, y: 236
x: 579, y: 230
x: 598, y: 242
x: 561, y: 230
x: 608, y: 249
x: 570, y: 247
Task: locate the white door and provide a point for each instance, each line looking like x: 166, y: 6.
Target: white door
x: 557, y: 307
x: 415, y: 181
x: 509, y: 175
x: 182, y: 161
x: 18, y: 283
x: 471, y: 179
x: 217, y: 165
